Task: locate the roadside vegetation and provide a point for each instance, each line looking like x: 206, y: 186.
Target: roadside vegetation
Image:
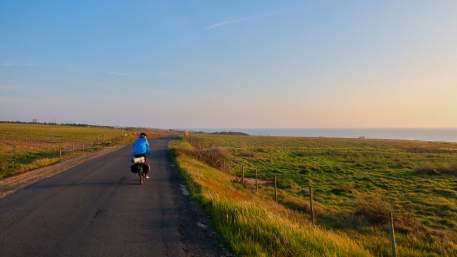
x: 26, y: 146
x: 251, y: 224
x: 356, y: 183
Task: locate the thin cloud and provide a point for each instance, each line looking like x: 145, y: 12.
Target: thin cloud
x: 244, y: 19
x: 227, y: 22
x: 117, y: 74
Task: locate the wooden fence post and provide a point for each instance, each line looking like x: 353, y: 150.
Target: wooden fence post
x: 14, y: 157
x: 392, y: 235
x: 311, y: 206
x: 256, y: 181
x: 60, y: 151
x: 242, y: 174
x: 276, y: 189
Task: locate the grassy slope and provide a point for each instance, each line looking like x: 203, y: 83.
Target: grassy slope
x: 253, y: 225
x: 32, y: 146
x: 356, y: 183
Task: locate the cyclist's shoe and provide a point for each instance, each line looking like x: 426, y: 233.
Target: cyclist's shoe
x: 147, y: 177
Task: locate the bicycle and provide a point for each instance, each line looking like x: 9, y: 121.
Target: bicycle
x: 140, y: 162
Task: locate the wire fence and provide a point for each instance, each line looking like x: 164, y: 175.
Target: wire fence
x: 31, y: 150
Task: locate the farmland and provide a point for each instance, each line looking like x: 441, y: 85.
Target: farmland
x: 28, y: 146
x: 356, y: 184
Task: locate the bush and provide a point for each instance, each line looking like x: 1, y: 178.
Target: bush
x: 344, y: 188
x: 215, y: 157
x: 371, y: 208
x: 436, y: 169
x: 285, y: 183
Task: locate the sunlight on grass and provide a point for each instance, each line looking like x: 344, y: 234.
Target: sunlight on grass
x: 25, y: 147
x: 357, y: 182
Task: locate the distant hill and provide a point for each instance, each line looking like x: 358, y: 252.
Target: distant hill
x: 56, y: 124
x: 230, y: 133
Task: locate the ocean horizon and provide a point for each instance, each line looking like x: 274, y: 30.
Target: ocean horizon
x: 423, y: 134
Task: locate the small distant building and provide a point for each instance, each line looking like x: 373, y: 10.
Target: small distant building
x: 186, y: 133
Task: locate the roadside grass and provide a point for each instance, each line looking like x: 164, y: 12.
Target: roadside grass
x: 25, y: 147
x: 357, y: 182
x: 253, y: 225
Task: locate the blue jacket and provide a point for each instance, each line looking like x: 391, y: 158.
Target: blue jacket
x: 141, y: 146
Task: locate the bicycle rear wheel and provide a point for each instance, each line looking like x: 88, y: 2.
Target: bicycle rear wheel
x: 141, y: 175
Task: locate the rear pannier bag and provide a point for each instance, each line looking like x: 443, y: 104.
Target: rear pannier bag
x: 136, y: 167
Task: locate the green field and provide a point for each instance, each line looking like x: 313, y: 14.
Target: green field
x: 357, y: 182
x: 27, y: 146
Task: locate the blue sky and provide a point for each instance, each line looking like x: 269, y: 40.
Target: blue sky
x: 239, y: 64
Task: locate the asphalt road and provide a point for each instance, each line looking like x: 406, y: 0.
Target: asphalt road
x: 98, y: 209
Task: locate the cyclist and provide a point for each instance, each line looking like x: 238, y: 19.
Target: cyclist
x: 141, y: 149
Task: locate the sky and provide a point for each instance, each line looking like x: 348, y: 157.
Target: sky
x: 230, y: 64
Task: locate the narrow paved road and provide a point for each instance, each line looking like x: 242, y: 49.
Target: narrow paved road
x: 98, y: 209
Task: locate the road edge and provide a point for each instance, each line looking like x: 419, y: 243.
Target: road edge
x: 195, y: 223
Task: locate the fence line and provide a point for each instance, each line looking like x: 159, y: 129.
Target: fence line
x: 63, y: 148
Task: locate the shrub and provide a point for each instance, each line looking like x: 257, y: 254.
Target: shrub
x: 436, y: 169
x: 344, y: 188
x: 371, y: 208
x: 215, y: 157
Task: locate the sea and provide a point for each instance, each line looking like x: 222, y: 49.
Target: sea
x: 424, y: 134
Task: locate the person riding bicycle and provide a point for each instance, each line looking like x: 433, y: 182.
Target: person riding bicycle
x: 141, y: 149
